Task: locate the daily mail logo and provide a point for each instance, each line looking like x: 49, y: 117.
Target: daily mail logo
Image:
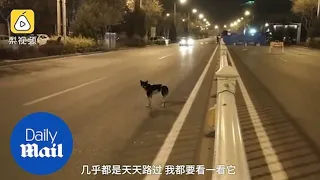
x: 33, y: 150
x: 41, y: 143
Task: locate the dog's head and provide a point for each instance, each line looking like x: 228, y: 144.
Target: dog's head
x: 144, y: 84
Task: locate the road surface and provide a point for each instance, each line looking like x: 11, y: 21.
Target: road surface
x: 278, y: 108
x: 293, y: 78
x: 100, y: 98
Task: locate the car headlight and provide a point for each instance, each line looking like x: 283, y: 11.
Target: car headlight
x: 190, y: 41
x: 183, y: 41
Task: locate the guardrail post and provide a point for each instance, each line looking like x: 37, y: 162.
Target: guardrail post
x: 230, y: 161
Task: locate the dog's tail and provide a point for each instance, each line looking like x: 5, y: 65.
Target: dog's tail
x: 164, y: 91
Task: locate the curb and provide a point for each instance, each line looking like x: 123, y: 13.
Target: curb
x: 22, y: 61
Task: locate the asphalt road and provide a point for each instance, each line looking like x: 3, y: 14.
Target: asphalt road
x: 292, y: 78
x: 100, y: 98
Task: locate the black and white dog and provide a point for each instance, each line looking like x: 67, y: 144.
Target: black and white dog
x: 152, y: 89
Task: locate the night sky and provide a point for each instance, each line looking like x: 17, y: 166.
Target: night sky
x: 216, y: 11
x: 225, y: 11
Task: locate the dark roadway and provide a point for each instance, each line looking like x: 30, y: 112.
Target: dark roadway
x: 100, y: 98
x: 293, y: 78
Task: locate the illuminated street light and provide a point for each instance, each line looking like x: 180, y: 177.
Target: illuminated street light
x: 231, y: 25
x: 183, y: 20
x: 204, y: 19
x: 247, y: 13
x: 201, y: 16
x: 168, y: 14
x: 225, y: 26
x: 183, y: 1
x: 239, y: 20
x: 194, y: 10
x: 216, y: 26
x: 235, y: 23
x: 266, y: 25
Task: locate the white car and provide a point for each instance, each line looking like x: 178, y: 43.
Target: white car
x: 186, y: 42
x: 42, y: 39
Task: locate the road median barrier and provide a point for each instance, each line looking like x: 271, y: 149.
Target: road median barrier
x: 230, y: 161
x: 276, y: 44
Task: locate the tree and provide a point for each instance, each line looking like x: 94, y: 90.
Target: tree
x: 153, y: 10
x: 95, y: 17
x: 173, y: 33
x: 307, y: 10
x: 271, y: 11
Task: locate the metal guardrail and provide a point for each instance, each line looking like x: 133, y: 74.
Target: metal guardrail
x: 229, y: 147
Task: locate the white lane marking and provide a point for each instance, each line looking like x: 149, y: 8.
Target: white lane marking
x: 163, y: 154
x: 268, y: 150
x: 62, y: 92
x: 165, y: 56
x: 283, y: 59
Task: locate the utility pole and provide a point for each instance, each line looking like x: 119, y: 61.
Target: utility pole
x: 58, y: 17
x: 318, y: 11
x: 64, y: 14
x: 188, y: 23
x: 175, y: 12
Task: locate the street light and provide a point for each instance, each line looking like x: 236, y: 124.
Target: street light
x: 231, y: 25
x: 216, y: 26
x: 204, y: 19
x: 239, y: 20
x: 266, y: 25
x: 194, y: 10
x: 168, y: 14
x: 183, y: 20
x: 201, y: 16
x: 175, y: 9
x: 247, y: 13
x: 183, y: 1
x: 225, y: 26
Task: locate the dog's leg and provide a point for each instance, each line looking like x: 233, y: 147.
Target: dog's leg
x: 163, y: 102
x: 149, y: 102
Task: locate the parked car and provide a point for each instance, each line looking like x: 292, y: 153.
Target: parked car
x: 161, y: 40
x: 42, y: 39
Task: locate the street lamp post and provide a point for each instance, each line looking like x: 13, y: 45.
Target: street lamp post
x: 175, y: 10
x: 318, y: 11
x: 58, y: 17
x: 247, y: 13
x: 64, y: 20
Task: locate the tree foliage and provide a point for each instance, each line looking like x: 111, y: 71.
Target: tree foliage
x: 307, y: 10
x: 94, y: 17
x: 130, y: 4
x: 153, y: 10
